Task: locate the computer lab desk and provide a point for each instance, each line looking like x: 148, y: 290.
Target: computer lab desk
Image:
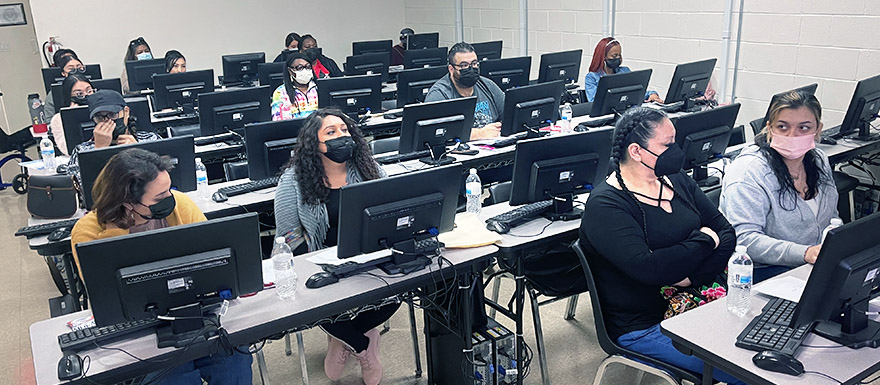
x: 255, y: 318
x: 709, y: 333
x: 847, y: 149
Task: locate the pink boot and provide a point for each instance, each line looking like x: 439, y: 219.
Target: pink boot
x: 337, y: 355
x: 371, y: 368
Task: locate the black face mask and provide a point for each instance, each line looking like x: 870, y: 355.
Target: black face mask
x: 468, y: 77
x: 669, y: 162
x: 161, y: 209
x: 340, y: 149
x: 79, y: 100
x: 614, y: 64
x: 120, y: 129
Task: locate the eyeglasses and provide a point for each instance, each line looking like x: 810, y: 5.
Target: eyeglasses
x: 301, y: 67
x: 82, y: 94
x: 466, y: 65
x: 105, y: 117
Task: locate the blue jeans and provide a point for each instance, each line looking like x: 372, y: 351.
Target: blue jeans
x: 652, y: 343
x: 765, y: 272
x: 216, y: 369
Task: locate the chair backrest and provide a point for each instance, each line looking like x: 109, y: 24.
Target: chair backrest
x: 756, y: 125
x: 499, y: 192
x: 379, y: 146
x: 581, y: 109
x: 737, y: 136
x: 235, y: 170
x: 714, y: 195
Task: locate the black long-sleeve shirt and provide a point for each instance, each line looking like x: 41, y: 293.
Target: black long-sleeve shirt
x: 629, y: 271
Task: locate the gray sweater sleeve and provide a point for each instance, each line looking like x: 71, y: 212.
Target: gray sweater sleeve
x: 287, y: 221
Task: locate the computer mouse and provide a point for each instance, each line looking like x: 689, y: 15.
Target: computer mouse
x: 463, y: 146
x: 498, y: 227
x: 778, y: 362
x: 69, y: 366
x: 830, y: 141
x: 61, y: 169
x: 59, y: 234
x: 219, y: 196
x: 321, y: 279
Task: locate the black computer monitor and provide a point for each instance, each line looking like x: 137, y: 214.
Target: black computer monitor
x: 564, y: 65
x: 178, y: 271
x: 488, y: 50
x: 52, y: 75
x: 689, y: 81
x: 181, y: 90
x: 809, y: 88
x: 268, y: 146
x: 140, y: 73
x: 431, y: 126
x: 242, y: 69
x: 413, y: 84
x: 703, y: 137
x: 113, y: 84
x: 862, y: 110
x: 351, y: 94
x: 397, y: 212
x: 559, y: 167
x: 428, y: 57
x: 228, y: 111
x: 368, y: 64
x: 180, y: 149
x: 617, y: 92
x: 423, y: 41
x: 528, y: 108
x: 507, y: 73
x: 78, y: 127
x: 374, y: 46
x: 271, y: 74
x: 844, y: 279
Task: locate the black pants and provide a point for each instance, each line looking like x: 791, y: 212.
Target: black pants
x: 352, y: 332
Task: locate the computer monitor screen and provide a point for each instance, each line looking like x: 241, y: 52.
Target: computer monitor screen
x: 52, y: 75
x: 368, y: 64
x: 271, y: 74
x: 617, y: 92
x: 810, y: 89
x: 488, y: 50
x: 528, y: 108
x: 181, y: 90
x: 179, y: 149
x: 268, y: 146
x: 423, y: 41
x: 78, y: 127
x: 560, y: 65
x: 351, y: 94
x: 559, y: 167
x: 413, y: 84
x: 507, y: 73
x: 140, y: 73
x: 844, y: 279
x: 862, y: 110
x: 228, y: 111
x: 374, y: 46
x: 113, y: 84
x: 242, y: 68
x: 428, y: 57
x: 689, y: 81
x: 432, y: 126
x: 171, y: 267
x: 703, y: 137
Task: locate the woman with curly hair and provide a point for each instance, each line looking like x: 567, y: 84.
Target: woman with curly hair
x: 330, y: 153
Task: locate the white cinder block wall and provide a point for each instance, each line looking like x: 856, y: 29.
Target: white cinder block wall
x: 785, y: 43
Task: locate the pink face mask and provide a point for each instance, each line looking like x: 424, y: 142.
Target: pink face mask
x: 792, y: 147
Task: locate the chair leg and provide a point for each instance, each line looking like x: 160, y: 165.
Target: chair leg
x: 386, y: 326
x: 301, y: 349
x: 261, y: 364
x: 571, y: 308
x: 287, y: 351
x: 496, y: 287
x: 413, y: 329
x: 539, y: 338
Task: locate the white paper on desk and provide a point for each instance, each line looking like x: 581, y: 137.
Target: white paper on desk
x: 328, y: 257
x: 268, y: 272
x: 789, y: 288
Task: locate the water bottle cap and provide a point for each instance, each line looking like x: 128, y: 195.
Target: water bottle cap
x: 741, y: 249
x: 279, y: 240
x: 836, y: 221
x: 473, y: 171
x: 199, y: 160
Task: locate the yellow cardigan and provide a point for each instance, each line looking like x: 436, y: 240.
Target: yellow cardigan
x: 87, y: 228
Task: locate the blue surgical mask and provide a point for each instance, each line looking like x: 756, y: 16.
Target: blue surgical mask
x: 144, y: 56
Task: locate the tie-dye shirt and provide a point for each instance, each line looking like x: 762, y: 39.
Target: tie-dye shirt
x: 283, y: 108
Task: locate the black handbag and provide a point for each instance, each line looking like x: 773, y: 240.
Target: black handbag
x: 51, y: 196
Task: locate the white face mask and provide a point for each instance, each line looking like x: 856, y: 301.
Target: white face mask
x: 144, y: 56
x: 303, y: 76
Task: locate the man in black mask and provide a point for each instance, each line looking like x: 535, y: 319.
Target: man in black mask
x: 464, y: 80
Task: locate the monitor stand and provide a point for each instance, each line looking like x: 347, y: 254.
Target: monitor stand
x: 701, y: 176
x: 196, y: 327
x: 412, y: 259
x: 854, y: 329
x: 438, y: 156
x: 692, y: 104
x: 864, y: 134
x: 563, y: 209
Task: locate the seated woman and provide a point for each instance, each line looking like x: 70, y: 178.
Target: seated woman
x: 297, y: 96
x: 69, y: 64
x: 330, y: 152
x: 607, y: 59
x: 133, y: 194
x: 779, y: 193
x: 658, y: 229
x: 175, y: 63
x: 322, y: 65
x: 291, y: 43
x: 138, y: 49
x: 75, y: 88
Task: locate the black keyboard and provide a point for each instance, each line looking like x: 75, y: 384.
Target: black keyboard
x: 45, y: 228
x: 523, y: 213
x: 396, y: 158
x: 833, y: 133
x: 88, y: 338
x: 244, y: 188
x: 770, y: 330
x: 597, y: 122
x: 205, y: 140
x: 509, y: 141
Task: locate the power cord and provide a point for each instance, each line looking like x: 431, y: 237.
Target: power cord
x: 824, y: 375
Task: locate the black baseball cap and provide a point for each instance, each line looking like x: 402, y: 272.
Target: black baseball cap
x: 105, y: 101
x: 407, y: 31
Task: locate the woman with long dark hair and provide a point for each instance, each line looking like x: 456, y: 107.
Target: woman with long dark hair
x: 330, y: 153
x: 74, y: 90
x: 608, y: 60
x: 297, y: 96
x: 137, y: 49
x: 175, y: 63
x: 779, y: 193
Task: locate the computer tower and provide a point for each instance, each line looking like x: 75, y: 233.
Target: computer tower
x: 503, y: 352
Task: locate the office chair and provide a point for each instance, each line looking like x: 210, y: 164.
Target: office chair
x: 714, y: 196
x: 235, y: 170
x: 756, y: 125
x: 379, y: 146
x: 618, y: 354
x: 846, y: 186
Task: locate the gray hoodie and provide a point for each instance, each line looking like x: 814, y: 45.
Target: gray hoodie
x: 775, y: 234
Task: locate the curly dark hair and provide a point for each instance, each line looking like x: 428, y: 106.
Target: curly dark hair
x: 306, y: 159
x: 123, y: 180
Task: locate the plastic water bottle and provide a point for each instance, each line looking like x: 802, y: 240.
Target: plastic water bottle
x: 47, y: 153
x: 285, y: 276
x: 473, y: 189
x: 202, y: 180
x: 566, y: 115
x: 739, y: 282
x: 38, y: 117
x: 835, y: 223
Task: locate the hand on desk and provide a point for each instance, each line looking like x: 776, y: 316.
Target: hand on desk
x: 812, y: 253
x: 654, y: 98
x: 710, y: 233
x: 489, y: 131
